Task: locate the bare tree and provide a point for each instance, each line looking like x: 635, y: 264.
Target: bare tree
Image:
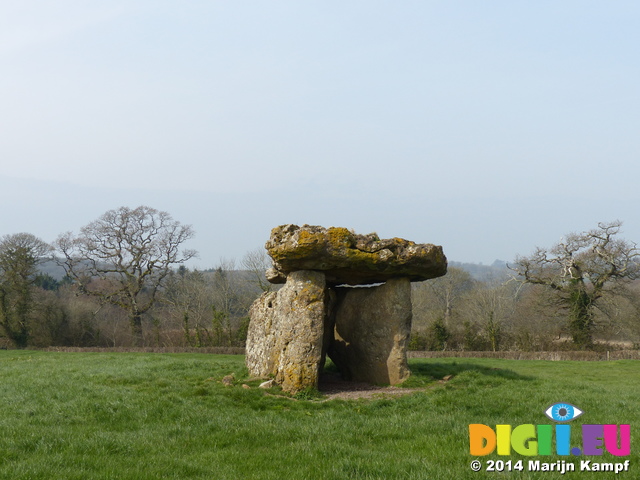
x: 19, y: 256
x: 227, y: 301
x: 189, y: 295
x: 491, y: 305
x: 124, y: 257
x: 581, y: 269
x: 537, y: 322
x: 446, y: 292
x: 257, y: 262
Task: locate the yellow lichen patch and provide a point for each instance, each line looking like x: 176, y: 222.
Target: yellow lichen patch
x: 362, y: 259
x: 311, y: 294
x: 340, y: 237
x: 401, y: 242
x: 308, y: 245
x: 298, y: 377
x: 309, y: 238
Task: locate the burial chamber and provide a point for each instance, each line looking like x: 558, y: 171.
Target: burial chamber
x: 345, y: 296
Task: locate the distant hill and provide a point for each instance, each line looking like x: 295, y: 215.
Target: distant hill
x: 50, y: 267
x: 498, y: 269
x: 478, y: 271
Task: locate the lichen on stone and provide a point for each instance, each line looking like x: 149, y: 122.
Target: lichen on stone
x: 346, y: 257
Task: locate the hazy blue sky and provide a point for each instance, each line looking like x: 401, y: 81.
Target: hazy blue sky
x: 486, y: 127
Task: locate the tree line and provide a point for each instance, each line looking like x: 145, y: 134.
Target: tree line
x: 582, y: 293
x: 125, y: 284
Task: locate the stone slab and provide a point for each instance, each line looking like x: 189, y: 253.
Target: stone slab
x: 348, y: 258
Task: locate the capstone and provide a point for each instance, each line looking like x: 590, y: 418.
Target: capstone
x: 349, y: 258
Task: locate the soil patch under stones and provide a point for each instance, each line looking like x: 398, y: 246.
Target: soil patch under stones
x: 334, y: 387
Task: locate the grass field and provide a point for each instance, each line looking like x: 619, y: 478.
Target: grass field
x: 151, y: 416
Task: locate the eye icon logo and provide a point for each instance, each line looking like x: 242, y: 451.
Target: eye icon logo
x: 563, y: 412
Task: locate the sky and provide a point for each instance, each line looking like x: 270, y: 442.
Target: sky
x: 489, y: 128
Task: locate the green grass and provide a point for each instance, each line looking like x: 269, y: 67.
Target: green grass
x: 151, y: 416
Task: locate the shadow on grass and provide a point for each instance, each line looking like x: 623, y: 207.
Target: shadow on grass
x: 423, y: 374
x: 441, y: 370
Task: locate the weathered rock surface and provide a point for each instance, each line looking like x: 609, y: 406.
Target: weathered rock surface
x: 348, y: 258
x: 364, y: 330
x: 372, y: 328
x: 286, y: 332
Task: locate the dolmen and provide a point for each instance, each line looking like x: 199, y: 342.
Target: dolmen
x: 345, y: 296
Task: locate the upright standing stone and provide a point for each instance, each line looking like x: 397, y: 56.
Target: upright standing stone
x: 286, y: 331
x: 372, y: 328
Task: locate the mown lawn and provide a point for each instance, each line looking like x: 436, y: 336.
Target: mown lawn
x: 150, y: 416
